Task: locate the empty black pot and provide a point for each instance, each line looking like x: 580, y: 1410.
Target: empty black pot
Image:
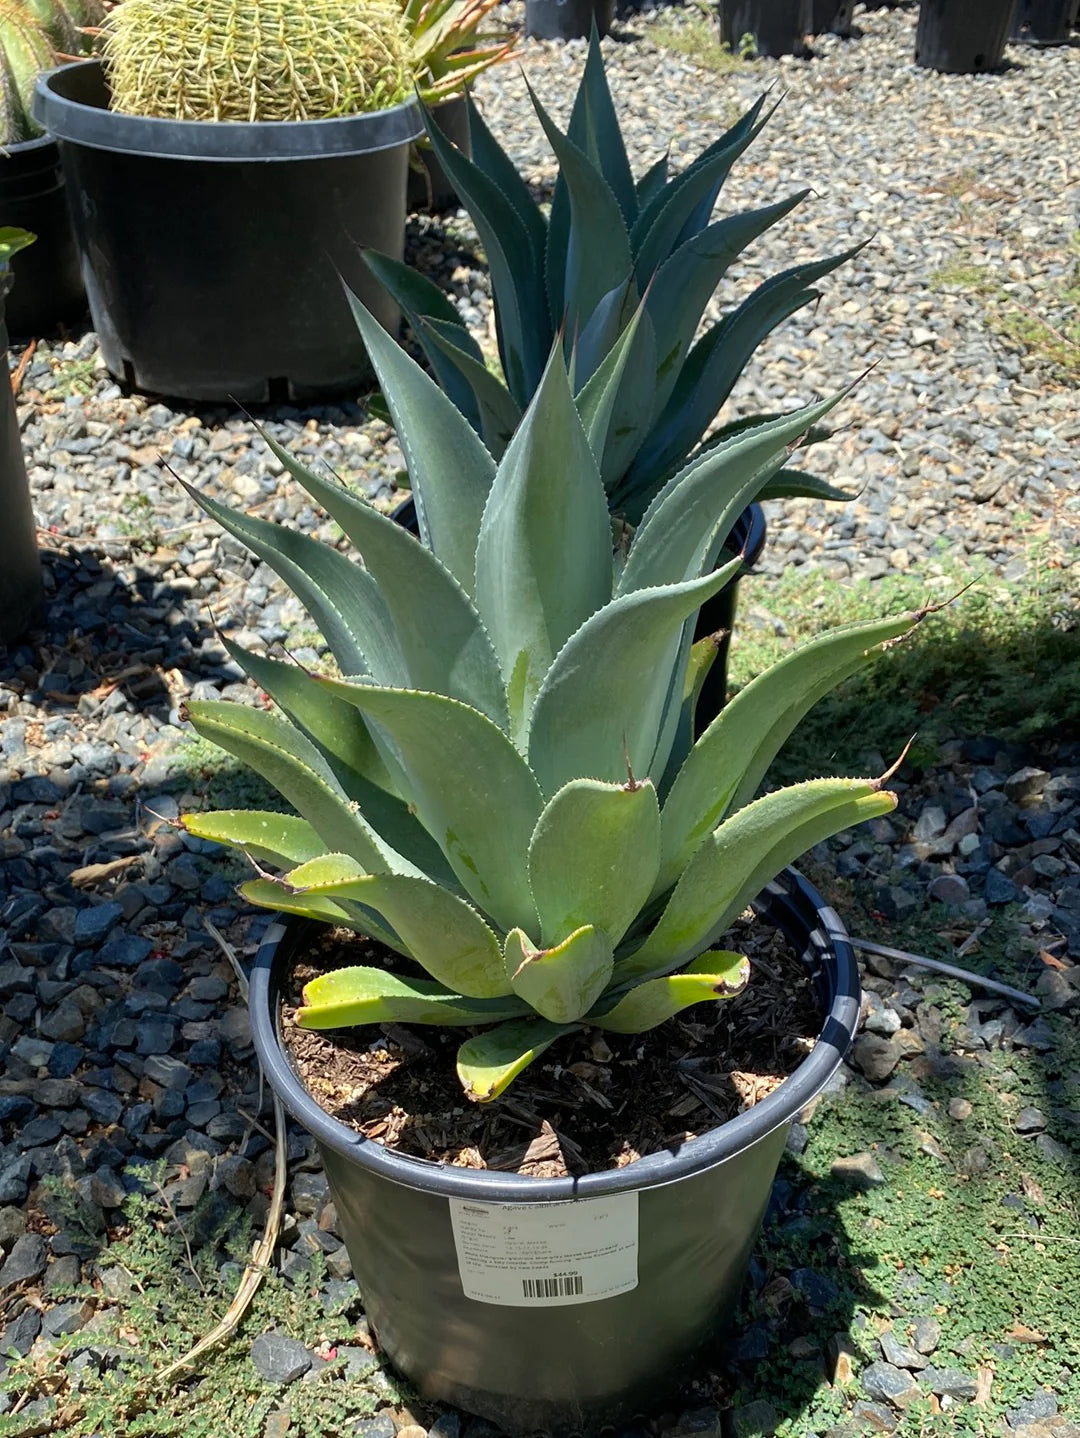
x: 1045, y: 22
x: 48, y: 286
x: 429, y: 185
x: 213, y: 253
x: 542, y: 1351
x: 963, y: 37
x: 21, y: 595
x: 777, y: 27
x: 831, y: 17
x: 567, y: 19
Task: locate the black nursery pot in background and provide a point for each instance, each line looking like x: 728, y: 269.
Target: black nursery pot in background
x: 1045, y: 22
x: 679, y: 1226
x: 831, y: 17
x: 213, y: 253
x: 567, y: 19
x: 48, y: 286
x: 778, y: 27
x: 429, y: 185
x: 21, y: 596
x: 963, y: 37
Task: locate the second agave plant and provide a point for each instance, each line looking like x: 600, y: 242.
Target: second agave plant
x: 497, y: 779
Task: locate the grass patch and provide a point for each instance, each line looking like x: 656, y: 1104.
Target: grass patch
x: 1003, y: 660
x: 698, y: 38
x: 1057, y: 345
x: 166, y: 1288
x: 213, y: 779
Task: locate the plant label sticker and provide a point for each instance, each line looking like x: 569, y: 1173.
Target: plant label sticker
x: 530, y: 1255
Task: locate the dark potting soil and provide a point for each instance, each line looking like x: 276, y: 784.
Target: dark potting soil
x: 593, y: 1101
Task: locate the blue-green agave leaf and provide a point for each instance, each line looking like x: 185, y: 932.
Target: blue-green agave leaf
x: 489, y: 1062
x: 497, y: 409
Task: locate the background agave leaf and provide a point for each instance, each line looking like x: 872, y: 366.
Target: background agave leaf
x: 290, y: 762
x: 495, y: 406
x: 449, y: 468
x: 711, y: 369
x: 516, y: 278
x: 594, y: 856
x: 490, y: 157
x: 603, y: 700
x: 472, y: 791
x: 687, y: 280
x: 718, y: 974
x: 652, y: 181
x: 489, y: 1062
x: 729, y: 761
x: 737, y: 860
x: 543, y: 560
x: 420, y: 300
x: 796, y: 484
x: 281, y: 839
x: 267, y: 894
x: 597, y: 252
x: 372, y: 996
x: 659, y: 225
x: 601, y: 331
x: 564, y: 981
x: 703, y: 654
x: 616, y: 404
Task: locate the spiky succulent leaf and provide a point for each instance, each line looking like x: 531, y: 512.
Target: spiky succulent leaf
x: 604, y: 699
x: 290, y: 762
x: 543, y: 559
x: 516, y: 274
x: 703, y: 654
x: 344, y: 601
x: 564, y: 981
x: 420, y: 300
x: 450, y: 470
x: 281, y: 839
x: 361, y: 995
x: 797, y: 484
x: 717, y: 974
x: 616, y: 403
x: 490, y: 157
x: 687, y: 523
x: 597, y: 256
x: 498, y: 413
x: 489, y: 1062
x: 652, y: 181
x: 443, y: 933
x: 472, y: 791
x: 741, y: 856
x: 594, y: 856
x: 268, y: 894
x: 723, y: 770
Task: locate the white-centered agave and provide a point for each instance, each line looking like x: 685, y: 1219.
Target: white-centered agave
x: 624, y: 271
x: 503, y: 787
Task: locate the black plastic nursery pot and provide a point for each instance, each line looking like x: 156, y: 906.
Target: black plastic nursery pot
x: 213, y: 252
x: 1045, y: 22
x: 567, y: 19
x: 48, y: 285
x: 831, y: 17
x: 430, y: 187
x: 963, y: 37
x: 777, y: 27
x: 717, y: 615
x: 550, y: 1304
x: 21, y: 595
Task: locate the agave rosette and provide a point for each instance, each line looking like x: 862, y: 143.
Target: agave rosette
x: 624, y: 270
x: 499, y: 780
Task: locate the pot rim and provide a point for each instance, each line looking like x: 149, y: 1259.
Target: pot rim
x: 78, y: 122
x: 789, y: 898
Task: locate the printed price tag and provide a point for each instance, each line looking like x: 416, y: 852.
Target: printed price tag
x: 544, y: 1254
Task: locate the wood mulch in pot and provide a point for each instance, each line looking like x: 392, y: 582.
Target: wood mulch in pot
x: 593, y: 1101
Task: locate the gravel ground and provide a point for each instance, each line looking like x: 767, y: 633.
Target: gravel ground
x: 122, y: 1034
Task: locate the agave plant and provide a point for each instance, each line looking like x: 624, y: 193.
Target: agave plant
x: 447, y: 50
x: 624, y: 271
x: 498, y: 782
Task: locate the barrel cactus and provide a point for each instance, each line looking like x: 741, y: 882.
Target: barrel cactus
x: 497, y: 777
x: 256, y: 59
x: 34, y: 35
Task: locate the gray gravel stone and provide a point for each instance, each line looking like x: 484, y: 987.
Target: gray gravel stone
x: 950, y: 1382
x: 26, y: 1260
x: 280, y: 1359
x: 925, y: 1334
x: 882, y: 1380
x: 900, y: 1355
x: 1042, y: 1404
x: 861, y: 1171
x: 874, y: 1056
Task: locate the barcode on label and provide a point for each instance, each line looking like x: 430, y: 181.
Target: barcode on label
x: 567, y: 1285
